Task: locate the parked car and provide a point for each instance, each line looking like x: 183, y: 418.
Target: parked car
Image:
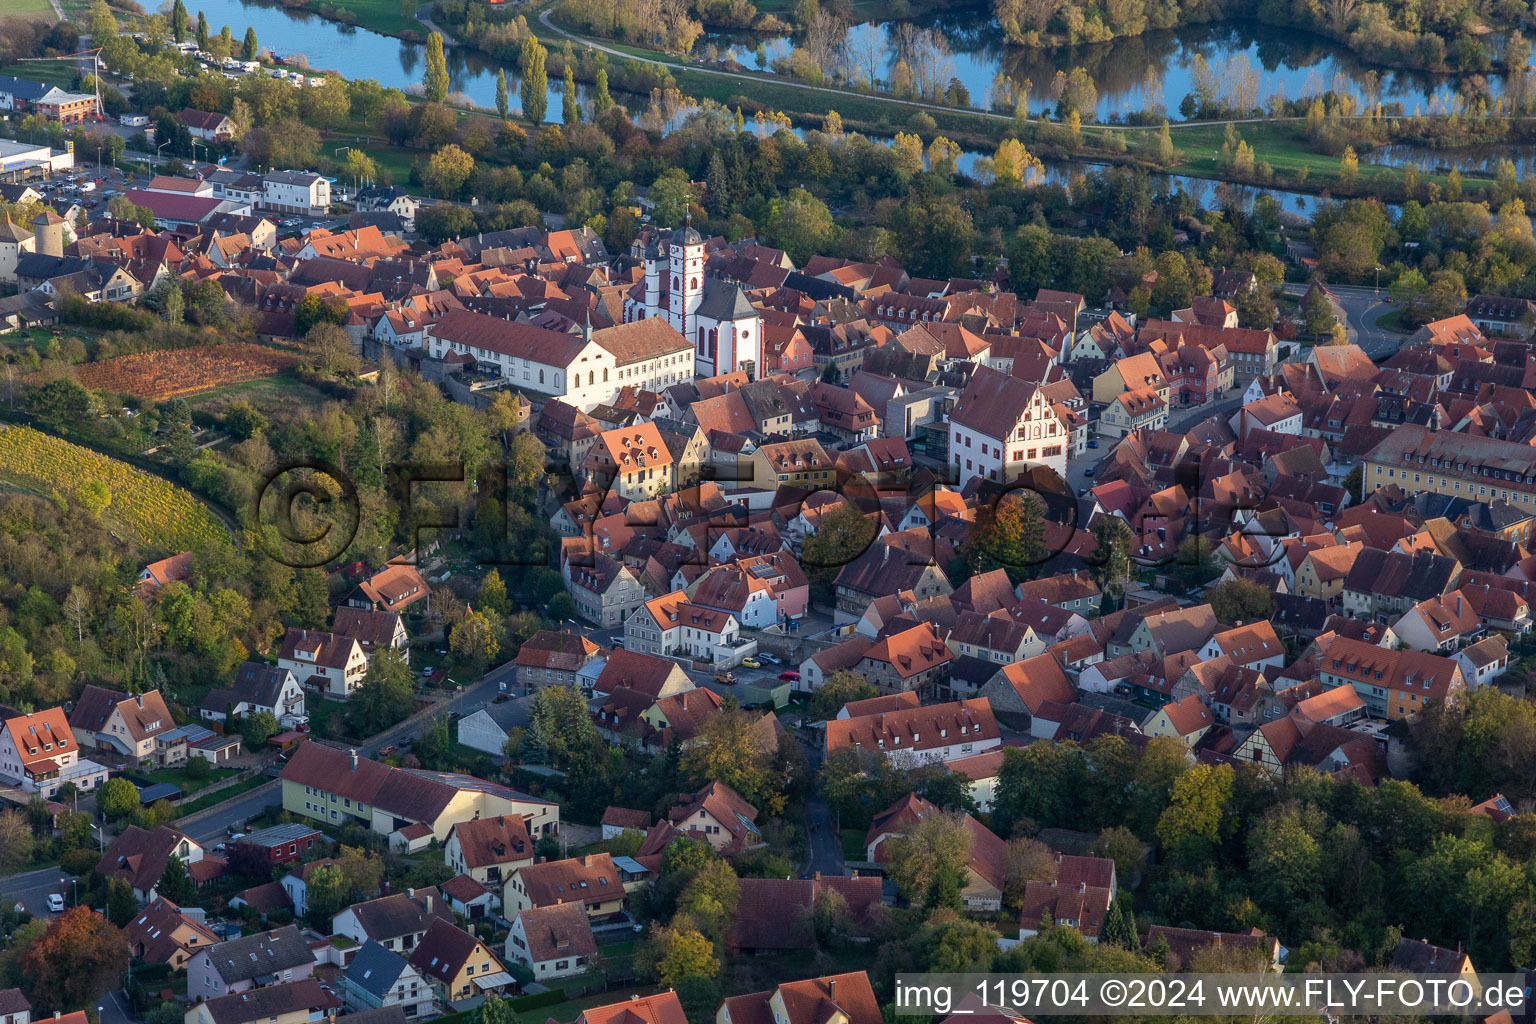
x: 56, y: 902
x: 772, y: 659
x: 1093, y: 444
x: 751, y: 663
x: 725, y: 677
x: 387, y: 749
x: 790, y: 676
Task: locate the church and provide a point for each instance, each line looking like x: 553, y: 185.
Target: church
x: 714, y: 315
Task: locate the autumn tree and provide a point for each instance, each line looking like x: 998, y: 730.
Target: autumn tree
x: 1192, y: 823
x: 669, y: 956
x: 80, y: 956
x: 1029, y: 860
x: 842, y: 535
x: 16, y: 841
x: 1240, y: 599
x: 434, y: 81
x: 447, y: 170
x: 473, y: 638
x: 535, y: 79
x: 727, y: 750
x: 838, y: 689
x: 503, y: 101
x: 929, y: 863
x: 1010, y: 535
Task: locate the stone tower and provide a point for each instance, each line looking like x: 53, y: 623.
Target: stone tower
x: 48, y: 231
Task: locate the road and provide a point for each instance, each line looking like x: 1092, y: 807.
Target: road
x: 1362, y: 310
x: 826, y: 846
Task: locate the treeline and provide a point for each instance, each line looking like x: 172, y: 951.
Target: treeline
x: 1415, y: 33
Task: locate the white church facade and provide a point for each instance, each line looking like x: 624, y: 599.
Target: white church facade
x: 714, y: 315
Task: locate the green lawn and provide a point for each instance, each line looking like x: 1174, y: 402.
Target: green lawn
x: 28, y: 9
x: 206, y: 801
x: 379, y: 15
x: 282, y: 391
x: 61, y: 72
x: 189, y: 785
x: 853, y: 843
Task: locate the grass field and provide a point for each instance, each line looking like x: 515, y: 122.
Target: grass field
x: 379, y: 15
x: 27, y: 9
x: 61, y: 73
x: 188, y: 785
x: 283, y: 391
x: 202, y: 803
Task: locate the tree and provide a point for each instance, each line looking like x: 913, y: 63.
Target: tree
x: 175, y: 883
x: 248, y: 48
x: 325, y: 893
x: 442, y: 221
x: 121, y: 903
x: 1010, y: 535
x: 1317, y: 313
x: 842, y: 536
x: 179, y: 22
x: 710, y: 897
x: 503, y: 102
x: 175, y: 305
x: 1120, y: 845
x: 1119, y: 926
x: 434, y: 80
x: 331, y: 348
x: 1241, y: 600
x: 535, y: 79
x: 94, y: 496
x: 570, y: 103
x: 926, y: 862
x: 117, y: 798
x: 493, y: 594
x: 447, y: 171
x: 386, y: 695
x: 494, y: 1011
x: 602, y: 100
x: 838, y: 689
x: 725, y: 750
x: 16, y: 841
x: 257, y: 729
x: 81, y: 955
x: 1191, y: 825
x: 1029, y: 860
x: 1112, y: 555
x: 560, y: 729
x: 473, y: 639
x: 60, y: 403
x: 1166, y: 155
x: 671, y: 955
x: 1349, y: 168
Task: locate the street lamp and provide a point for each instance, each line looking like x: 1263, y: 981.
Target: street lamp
x: 76, y: 882
x: 161, y: 147
x: 1378, y: 281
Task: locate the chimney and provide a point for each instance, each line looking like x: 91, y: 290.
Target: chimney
x: 353, y: 752
x: 831, y: 988
x: 410, y: 894
x: 429, y: 903
x: 1458, y: 603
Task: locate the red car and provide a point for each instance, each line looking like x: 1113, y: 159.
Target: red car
x: 790, y: 677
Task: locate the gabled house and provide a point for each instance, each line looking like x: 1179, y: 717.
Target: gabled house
x: 250, y: 962
x: 162, y: 933
x: 397, y: 921
x: 833, y: 999
x: 552, y: 942
x: 718, y: 812
x: 257, y: 688
x: 329, y: 663
x: 139, y: 857
x: 489, y: 849
x: 378, y: 977
x: 39, y: 753
x: 1082, y: 907
x: 458, y: 965
x: 298, y: 1002
x: 114, y: 721
x: 593, y: 881
x: 986, y: 869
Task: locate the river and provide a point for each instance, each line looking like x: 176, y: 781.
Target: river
x: 362, y: 53
x: 1280, y: 61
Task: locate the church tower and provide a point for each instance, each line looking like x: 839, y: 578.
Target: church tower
x: 685, y: 273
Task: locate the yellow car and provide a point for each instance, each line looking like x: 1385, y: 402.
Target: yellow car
x: 751, y: 663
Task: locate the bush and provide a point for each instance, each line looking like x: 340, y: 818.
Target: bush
x: 79, y: 862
